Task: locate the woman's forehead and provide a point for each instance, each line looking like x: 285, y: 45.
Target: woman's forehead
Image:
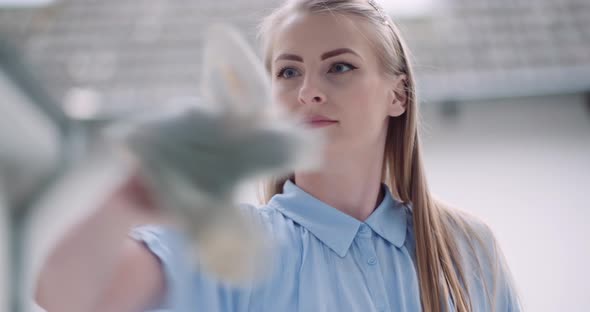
x: 314, y: 34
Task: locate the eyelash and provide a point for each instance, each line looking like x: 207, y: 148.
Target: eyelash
x: 282, y: 70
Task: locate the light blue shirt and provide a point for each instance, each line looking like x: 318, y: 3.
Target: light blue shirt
x: 327, y: 261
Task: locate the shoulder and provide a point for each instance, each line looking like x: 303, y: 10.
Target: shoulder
x: 468, y: 228
x: 474, y: 239
x: 268, y: 216
x: 259, y: 213
x: 482, y: 258
x: 164, y: 239
x: 475, y: 242
x: 285, y: 232
x: 263, y: 215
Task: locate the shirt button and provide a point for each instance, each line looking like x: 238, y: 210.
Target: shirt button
x: 363, y: 229
x: 372, y: 261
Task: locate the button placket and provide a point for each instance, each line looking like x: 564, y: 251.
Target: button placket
x: 379, y: 296
x: 375, y: 280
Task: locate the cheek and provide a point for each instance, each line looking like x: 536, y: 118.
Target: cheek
x: 284, y: 95
x: 364, y: 108
x: 361, y: 100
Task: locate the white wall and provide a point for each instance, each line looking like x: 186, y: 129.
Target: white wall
x: 523, y: 166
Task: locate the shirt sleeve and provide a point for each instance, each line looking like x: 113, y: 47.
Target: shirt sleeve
x: 168, y: 245
x: 189, y: 288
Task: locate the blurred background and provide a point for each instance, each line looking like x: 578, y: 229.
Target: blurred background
x: 504, y: 88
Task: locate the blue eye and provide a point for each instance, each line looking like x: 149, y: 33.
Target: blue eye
x: 341, y: 68
x: 287, y: 73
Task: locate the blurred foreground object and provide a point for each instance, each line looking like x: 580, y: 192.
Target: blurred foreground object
x: 33, y: 134
x: 195, y: 152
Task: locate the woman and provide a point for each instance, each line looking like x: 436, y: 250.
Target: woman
x: 363, y: 233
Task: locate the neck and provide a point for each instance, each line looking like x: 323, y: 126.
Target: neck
x: 351, y: 185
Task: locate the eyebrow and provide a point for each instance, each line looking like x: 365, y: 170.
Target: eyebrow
x: 337, y: 52
x: 329, y: 54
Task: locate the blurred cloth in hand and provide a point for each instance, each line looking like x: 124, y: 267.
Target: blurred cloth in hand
x: 195, y: 152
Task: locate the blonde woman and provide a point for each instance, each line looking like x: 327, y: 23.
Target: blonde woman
x: 363, y: 233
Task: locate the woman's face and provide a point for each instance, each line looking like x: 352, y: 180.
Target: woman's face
x: 323, y: 65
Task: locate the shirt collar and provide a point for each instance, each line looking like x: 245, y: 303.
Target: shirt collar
x: 336, y: 229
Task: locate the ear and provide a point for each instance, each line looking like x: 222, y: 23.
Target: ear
x: 399, y: 96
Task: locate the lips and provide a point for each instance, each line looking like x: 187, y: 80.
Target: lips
x: 318, y: 121
x: 318, y: 118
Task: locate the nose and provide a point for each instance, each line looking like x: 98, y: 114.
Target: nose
x: 310, y: 93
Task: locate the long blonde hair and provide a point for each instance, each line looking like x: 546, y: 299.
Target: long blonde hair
x: 440, y: 273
